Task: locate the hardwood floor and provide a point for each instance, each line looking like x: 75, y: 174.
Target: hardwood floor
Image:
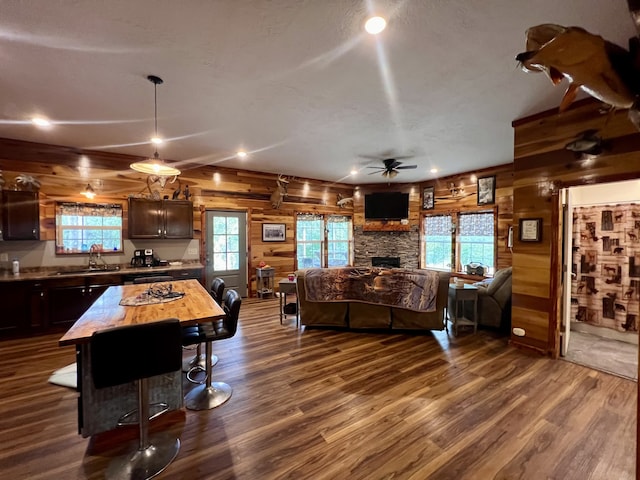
x: 320, y: 404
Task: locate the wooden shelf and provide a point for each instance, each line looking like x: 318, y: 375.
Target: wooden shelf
x: 385, y: 227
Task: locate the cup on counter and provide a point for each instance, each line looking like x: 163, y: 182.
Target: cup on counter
x: 291, y: 277
x: 459, y: 283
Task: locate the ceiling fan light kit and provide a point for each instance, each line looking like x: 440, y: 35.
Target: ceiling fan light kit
x: 391, y: 167
x: 155, y: 165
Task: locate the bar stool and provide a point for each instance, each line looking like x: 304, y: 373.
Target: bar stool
x: 212, y: 394
x: 134, y: 353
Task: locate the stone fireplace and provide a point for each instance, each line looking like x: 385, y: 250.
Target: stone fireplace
x: 403, y: 245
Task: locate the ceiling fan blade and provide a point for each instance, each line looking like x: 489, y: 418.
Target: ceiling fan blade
x: 407, y: 167
x: 379, y: 168
x: 375, y: 173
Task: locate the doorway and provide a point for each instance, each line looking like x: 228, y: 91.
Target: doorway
x: 226, y: 248
x: 601, y: 280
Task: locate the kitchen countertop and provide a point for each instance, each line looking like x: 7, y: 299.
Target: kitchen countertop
x: 51, y: 273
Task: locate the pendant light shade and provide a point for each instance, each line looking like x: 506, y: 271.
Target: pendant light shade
x: 155, y: 165
x: 89, y: 192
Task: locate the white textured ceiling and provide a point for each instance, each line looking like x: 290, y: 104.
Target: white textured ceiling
x: 295, y: 82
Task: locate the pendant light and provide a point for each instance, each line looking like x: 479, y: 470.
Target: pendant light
x: 89, y: 192
x: 155, y: 165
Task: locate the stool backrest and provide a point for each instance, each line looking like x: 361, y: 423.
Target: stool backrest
x: 157, y: 278
x: 124, y: 354
x: 232, y: 302
x: 217, y: 290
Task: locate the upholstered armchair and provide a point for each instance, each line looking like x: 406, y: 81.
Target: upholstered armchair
x: 494, y: 300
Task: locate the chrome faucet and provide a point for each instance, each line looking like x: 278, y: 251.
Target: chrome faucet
x: 94, y: 252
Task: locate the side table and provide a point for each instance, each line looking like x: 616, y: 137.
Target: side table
x: 264, y: 281
x: 286, y: 286
x: 457, y: 298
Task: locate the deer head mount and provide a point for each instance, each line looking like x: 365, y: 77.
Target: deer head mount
x: 280, y: 192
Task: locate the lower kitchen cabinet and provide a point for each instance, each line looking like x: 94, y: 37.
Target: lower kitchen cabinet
x: 70, y: 298
x: 53, y: 304
x: 14, y: 298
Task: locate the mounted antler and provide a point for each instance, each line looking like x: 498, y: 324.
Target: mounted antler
x: 280, y: 192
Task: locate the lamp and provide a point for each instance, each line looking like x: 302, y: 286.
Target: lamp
x: 155, y: 165
x: 89, y: 192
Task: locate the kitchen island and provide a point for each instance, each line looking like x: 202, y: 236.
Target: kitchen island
x: 99, y: 410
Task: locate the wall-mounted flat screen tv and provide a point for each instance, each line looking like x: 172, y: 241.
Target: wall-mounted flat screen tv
x: 386, y: 206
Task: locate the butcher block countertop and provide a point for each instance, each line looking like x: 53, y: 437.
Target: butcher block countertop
x: 197, y: 305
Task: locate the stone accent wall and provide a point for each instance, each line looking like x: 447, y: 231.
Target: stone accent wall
x: 405, y: 245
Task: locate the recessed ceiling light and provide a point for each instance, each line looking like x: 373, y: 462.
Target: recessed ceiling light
x: 40, y: 122
x: 354, y: 171
x: 156, y: 140
x: 434, y: 170
x: 375, y: 25
x: 242, y: 154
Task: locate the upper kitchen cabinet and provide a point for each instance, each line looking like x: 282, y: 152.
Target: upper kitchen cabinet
x: 160, y: 218
x: 20, y: 215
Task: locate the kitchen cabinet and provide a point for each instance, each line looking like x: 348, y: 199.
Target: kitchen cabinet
x: 14, y: 301
x: 170, y: 219
x: 71, y: 297
x: 54, y: 302
x: 20, y: 215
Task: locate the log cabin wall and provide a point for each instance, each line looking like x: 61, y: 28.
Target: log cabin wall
x: 542, y: 167
x: 466, y: 199
x: 65, y: 171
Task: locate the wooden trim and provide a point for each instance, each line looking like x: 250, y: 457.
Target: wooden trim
x: 553, y: 111
x: 555, y: 287
x: 385, y: 227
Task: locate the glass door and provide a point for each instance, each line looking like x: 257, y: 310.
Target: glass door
x: 226, y: 246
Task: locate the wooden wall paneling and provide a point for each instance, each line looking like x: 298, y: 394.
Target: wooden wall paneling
x: 446, y: 203
x: 64, y: 172
x: 542, y: 166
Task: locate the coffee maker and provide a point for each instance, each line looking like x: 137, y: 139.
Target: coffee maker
x: 144, y: 258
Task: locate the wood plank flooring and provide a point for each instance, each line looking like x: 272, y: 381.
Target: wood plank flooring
x: 320, y: 404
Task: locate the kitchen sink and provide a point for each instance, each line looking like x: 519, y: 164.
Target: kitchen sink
x: 105, y: 268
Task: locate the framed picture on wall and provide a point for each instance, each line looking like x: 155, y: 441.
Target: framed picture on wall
x: 487, y: 190
x: 428, y: 202
x: 530, y: 229
x: 274, y: 232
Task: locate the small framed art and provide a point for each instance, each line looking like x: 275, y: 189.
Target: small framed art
x: 274, y: 232
x: 487, y: 190
x: 428, y: 198
x: 530, y: 229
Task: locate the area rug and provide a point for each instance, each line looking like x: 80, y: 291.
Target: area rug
x: 65, y: 376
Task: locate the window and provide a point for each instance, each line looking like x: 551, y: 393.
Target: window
x: 454, y: 240
x: 79, y: 226
x: 438, y: 252
x: 226, y: 243
x: 476, y: 240
x: 313, y: 232
x: 339, y: 234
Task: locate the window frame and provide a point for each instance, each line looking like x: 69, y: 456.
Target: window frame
x: 456, y: 266
x: 325, y: 242
x: 60, y: 228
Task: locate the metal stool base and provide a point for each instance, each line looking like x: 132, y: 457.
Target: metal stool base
x: 198, y: 361
x: 145, y: 463
x: 205, y: 397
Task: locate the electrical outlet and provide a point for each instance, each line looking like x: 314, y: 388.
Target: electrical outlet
x: 4, y: 257
x: 192, y: 251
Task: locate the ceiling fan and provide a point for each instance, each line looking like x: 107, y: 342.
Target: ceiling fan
x: 391, y: 167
